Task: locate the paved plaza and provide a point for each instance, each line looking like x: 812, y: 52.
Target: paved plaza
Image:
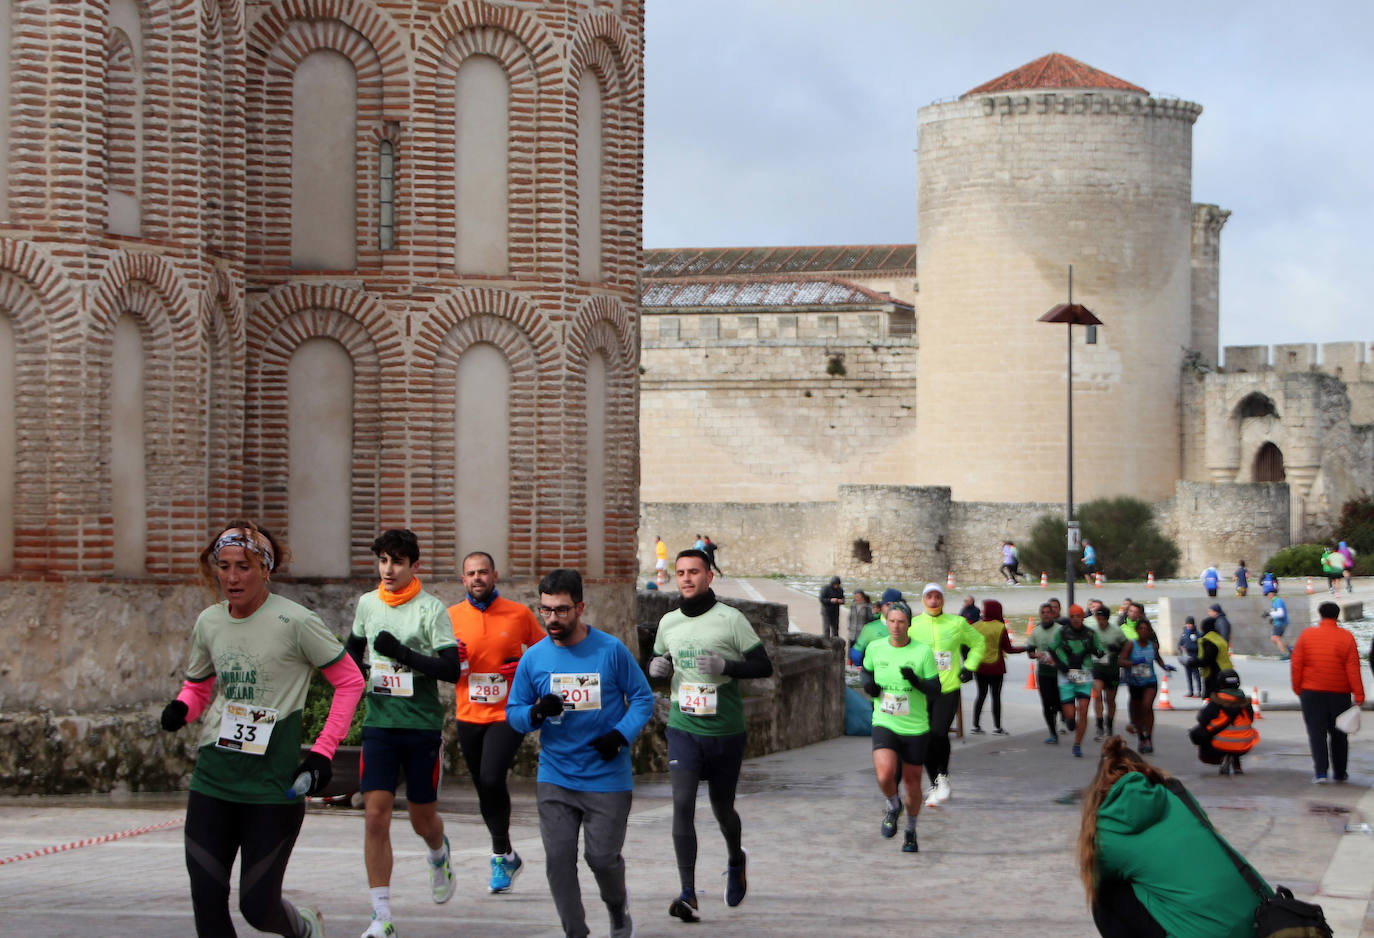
x: 996, y: 860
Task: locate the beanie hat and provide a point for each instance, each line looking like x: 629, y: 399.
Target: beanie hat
x: 890, y: 595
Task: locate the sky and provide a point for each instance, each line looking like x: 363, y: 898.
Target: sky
x: 782, y: 122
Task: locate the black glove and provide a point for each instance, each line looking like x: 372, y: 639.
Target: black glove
x: 1170, y: 668
x: 174, y: 716
x: 872, y: 689
x: 1199, y: 735
x: 550, y: 705
x: 965, y: 675
x: 910, y: 677
x: 389, y: 646
x: 608, y: 744
x: 320, y: 769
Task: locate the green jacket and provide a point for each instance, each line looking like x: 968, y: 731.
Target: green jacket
x: 1177, y: 869
x: 1073, y: 650
x: 946, y: 634
x: 869, y: 633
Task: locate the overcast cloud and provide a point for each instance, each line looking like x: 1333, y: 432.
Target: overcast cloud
x: 794, y: 122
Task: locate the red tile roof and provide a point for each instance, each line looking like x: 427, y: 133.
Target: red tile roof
x: 697, y: 262
x: 1055, y: 71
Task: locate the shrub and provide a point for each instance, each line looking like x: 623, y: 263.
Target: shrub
x: 1297, y: 560
x: 1129, y: 544
x: 316, y: 711
x: 1356, y: 527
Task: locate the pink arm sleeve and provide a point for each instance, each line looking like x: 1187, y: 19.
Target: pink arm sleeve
x: 348, y: 690
x: 196, y: 696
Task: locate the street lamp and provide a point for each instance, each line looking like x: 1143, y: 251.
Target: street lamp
x: 1072, y: 314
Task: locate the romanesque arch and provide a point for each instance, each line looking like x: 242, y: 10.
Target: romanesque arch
x: 525, y: 51
x: 1267, y: 465
x: 514, y: 327
x: 279, y: 42
x: 278, y: 326
x: 222, y: 390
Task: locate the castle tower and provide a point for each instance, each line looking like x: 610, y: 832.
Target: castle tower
x: 1050, y: 165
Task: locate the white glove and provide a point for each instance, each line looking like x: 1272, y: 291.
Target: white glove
x: 711, y: 663
x: 662, y: 666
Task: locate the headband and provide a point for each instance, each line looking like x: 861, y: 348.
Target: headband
x: 239, y: 537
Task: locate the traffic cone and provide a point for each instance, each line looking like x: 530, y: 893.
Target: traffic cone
x: 1030, y: 678
x: 1309, y: 586
x: 949, y: 581
x: 1162, y: 701
x: 1255, y: 702
x: 1045, y: 581
x: 1097, y: 579
x: 1150, y: 580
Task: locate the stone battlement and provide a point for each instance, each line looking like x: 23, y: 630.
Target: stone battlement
x: 1050, y: 102
x: 1349, y: 361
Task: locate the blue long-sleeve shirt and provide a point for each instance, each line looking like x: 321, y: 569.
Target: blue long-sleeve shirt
x: 623, y: 702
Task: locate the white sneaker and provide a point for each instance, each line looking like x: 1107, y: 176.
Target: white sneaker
x: 939, y: 792
x: 314, y: 921
x: 380, y: 929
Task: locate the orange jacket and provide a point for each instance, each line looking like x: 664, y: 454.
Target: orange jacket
x: 503, y: 631
x: 1326, y: 659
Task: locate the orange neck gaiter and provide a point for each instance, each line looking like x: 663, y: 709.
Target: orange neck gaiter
x: 411, y: 590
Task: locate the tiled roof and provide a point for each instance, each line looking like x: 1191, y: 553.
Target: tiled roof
x: 677, y: 293
x: 1055, y: 71
x: 718, y: 262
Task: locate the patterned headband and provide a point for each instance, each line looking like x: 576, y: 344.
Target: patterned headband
x: 239, y: 537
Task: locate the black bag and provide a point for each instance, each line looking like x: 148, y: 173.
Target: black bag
x: 1278, y: 916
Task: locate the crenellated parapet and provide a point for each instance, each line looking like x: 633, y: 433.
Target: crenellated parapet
x: 1352, y: 362
x: 1089, y: 102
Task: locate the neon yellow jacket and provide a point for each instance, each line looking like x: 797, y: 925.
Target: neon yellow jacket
x: 944, y: 634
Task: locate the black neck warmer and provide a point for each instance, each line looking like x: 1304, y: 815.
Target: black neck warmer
x: 698, y: 604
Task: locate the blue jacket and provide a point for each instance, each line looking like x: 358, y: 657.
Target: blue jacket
x: 566, y: 756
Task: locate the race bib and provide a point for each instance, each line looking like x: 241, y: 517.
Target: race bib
x: 579, y: 691
x: 246, y: 729
x: 897, y: 705
x: 390, y: 679
x: 943, y: 660
x: 696, y: 699
x: 1078, y: 676
x: 1142, y: 670
x: 487, y: 688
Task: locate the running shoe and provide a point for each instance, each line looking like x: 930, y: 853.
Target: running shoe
x: 909, y: 844
x: 1078, y: 750
x: 314, y: 922
x: 977, y: 730
x: 685, y: 907
x: 1098, y: 736
x: 736, y: 883
x: 890, y: 820
x: 441, y: 882
x: 503, y: 871
x: 939, y: 791
x: 1000, y: 732
x: 622, y: 925
x: 1341, y: 777
x: 379, y: 929
x: 1319, y: 780
x: 1051, y: 740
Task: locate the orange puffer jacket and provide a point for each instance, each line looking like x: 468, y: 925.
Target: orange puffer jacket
x: 1326, y: 659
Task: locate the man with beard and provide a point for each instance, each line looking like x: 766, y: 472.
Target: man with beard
x: 707, y: 647
x: 588, y: 698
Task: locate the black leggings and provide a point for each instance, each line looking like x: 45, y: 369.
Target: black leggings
x: 489, y: 750
x: 717, y: 760
x: 1047, y: 680
x: 1119, y: 913
x: 262, y: 835
x: 942, y: 711
x: 988, y: 682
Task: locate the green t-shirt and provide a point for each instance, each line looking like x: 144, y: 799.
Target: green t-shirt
x: 715, y: 706
x: 946, y: 634
x: 900, y: 708
x: 1041, y: 638
x: 422, y: 625
x: 870, y: 633
x: 260, y: 664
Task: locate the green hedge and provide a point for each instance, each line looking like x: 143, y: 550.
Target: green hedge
x: 1129, y: 544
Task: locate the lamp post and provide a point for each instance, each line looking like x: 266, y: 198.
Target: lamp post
x: 1071, y: 314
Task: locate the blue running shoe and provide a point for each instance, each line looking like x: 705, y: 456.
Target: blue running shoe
x: 503, y: 872
x: 736, y: 885
x: 1078, y: 750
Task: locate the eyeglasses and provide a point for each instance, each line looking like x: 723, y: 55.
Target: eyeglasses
x: 559, y: 611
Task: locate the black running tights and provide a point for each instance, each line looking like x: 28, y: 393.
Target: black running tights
x: 988, y: 683
x: 489, y: 750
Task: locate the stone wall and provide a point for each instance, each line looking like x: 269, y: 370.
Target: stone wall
x: 756, y: 539
x: 1223, y: 524
x: 977, y: 530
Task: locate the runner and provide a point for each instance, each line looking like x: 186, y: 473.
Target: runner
x: 902, y: 678
x: 993, y: 668
x: 493, y: 633
x: 588, y: 698
x: 1046, y: 674
x: 660, y: 561
x: 876, y: 629
x: 1071, y: 650
x: 1277, y: 614
x: 946, y: 634
x: 261, y: 650
x: 1107, y: 671
x: 707, y: 647
x: 1139, y: 658
x: 412, y: 650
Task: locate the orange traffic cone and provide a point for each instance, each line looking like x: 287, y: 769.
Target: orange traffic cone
x: 1045, y: 581
x: 1150, y: 580
x: 1255, y: 702
x: 1097, y: 579
x: 1030, y: 678
x: 949, y: 581
x: 1162, y: 701
x: 1309, y: 586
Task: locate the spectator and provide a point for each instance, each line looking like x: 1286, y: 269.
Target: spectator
x: 1187, y: 656
x: 1325, y: 675
x: 832, y: 598
x: 1223, y: 624
x: 970, y: 610
x: 1214, y: 656
x: 860, y: 614
x: 996, y: 646
x: 1225, y: 730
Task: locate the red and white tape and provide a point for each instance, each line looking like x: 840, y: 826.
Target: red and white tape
x: 92, y: 841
